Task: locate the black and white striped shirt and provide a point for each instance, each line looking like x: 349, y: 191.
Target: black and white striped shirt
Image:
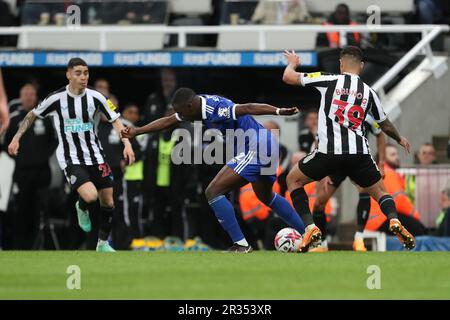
x: 75, y: 119
x: 345, y: 102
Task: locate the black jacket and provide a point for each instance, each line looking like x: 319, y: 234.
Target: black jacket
x: 36, y: 145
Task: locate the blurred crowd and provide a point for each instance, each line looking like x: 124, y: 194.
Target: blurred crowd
x: 160, y: 205
x: 221, y: 12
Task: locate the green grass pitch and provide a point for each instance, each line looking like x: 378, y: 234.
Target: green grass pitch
x: 217, y: 275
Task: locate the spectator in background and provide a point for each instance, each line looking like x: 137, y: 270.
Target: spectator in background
x: 443, y: 220
x: 167, y: 187
x: 134, y: 175
x: 158, y: 102
x: 307, y: 136
x: 102, y: 86
x: 155, y: 107
x: 426, y: 154
x: 4, y: 113
x: 32, y: 174
x: 395, y: 185
x: 27, y: 99
x: 429, y: 11
x: 334, y: 39
x: 280, y: 12
x: 7, y: 19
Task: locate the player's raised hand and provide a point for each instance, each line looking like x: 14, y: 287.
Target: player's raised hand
x: 288, y: 111
x: 292, y: 58
x: 13, y: 148
x: 405, y: 144
x: 128, y: 133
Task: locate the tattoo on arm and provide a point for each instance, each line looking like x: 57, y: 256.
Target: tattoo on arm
x: 26, y: 123
x: 390, y: 130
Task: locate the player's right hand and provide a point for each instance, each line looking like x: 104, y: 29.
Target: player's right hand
x: 128, y: 133
x: 405, y: 144
x: 288, y: 111
x: 292, y: 58
x: 13, y: 148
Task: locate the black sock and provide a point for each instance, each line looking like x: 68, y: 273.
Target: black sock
x: 363, y: 210
x: 301, y: 205
x: 91, y: 207
x: 106, y: 215
x: 387, y: 206
x: 320, y: 220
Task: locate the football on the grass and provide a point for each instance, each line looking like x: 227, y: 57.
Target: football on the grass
x: 288, y: 240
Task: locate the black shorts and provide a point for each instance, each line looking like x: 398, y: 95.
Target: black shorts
x: 337, y: 178
x: 359, y: 167
x: 100, y: 175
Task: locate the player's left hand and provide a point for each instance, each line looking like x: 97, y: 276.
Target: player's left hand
x: 128, y: 154
x: 405, y: 144
x: 292, y: 58
x: 288, y: 111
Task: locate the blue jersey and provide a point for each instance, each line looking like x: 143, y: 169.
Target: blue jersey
x: 257, y: 149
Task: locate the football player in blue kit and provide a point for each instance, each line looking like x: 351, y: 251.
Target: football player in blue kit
x: 253, y: 159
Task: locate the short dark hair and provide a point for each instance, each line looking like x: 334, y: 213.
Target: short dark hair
x: 352, y: 51
x: 76, y: 62
x: 183, y: 96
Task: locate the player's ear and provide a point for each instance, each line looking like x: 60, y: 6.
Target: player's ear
x: 362, y: 65
x: 68, y: 74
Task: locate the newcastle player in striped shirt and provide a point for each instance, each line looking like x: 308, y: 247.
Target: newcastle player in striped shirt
x: 342, y: 148
x: 74, y: 109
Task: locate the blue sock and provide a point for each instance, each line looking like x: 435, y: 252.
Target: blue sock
x: 224, y: 212
x: 286, y: 212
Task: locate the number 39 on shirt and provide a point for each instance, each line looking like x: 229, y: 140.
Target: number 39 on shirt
x: 354, y: 114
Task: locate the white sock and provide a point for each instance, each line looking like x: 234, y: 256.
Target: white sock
x: 312, y: 225
x: 243, y: 243
x: 359, y: 235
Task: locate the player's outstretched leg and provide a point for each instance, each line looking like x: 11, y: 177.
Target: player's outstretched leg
x: 296, y: 180
x: 225, y: 181
x: 387, y: 205
x: 106, y: 214
x: 362, y: 213
x: 263, y: 190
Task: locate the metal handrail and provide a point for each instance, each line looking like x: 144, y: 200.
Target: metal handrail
x: 429, y: 32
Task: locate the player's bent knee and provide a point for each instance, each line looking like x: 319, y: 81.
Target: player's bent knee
x: 90, y: 197
x: 211, y: 192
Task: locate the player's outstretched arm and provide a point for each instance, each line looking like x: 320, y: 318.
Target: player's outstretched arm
x: 154, y: 126
x: 258, y: 109
x: 290, y: 76
x: 128, y: 152
x: 388, y: 127
x: 13, y: 148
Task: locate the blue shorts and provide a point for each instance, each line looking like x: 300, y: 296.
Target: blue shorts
x: 249, y: 167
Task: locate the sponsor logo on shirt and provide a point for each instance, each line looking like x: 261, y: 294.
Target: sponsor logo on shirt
x: 76, y: 126
x: 224, y: 112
